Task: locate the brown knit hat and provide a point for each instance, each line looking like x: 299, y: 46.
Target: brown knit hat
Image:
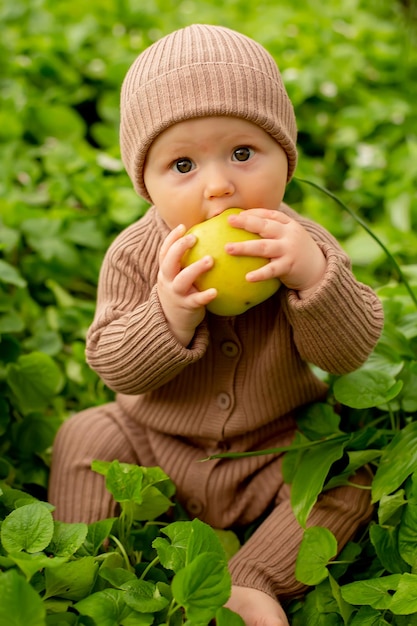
x: 199, y: 71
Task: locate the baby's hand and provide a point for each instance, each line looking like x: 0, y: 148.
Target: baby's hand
x: 294, y: 256
x: 182, y: 303
x: 256, y: 608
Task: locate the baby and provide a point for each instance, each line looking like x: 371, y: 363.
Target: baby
x: 206, y: 125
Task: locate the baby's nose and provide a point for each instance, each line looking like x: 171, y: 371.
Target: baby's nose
x: 218, y: 184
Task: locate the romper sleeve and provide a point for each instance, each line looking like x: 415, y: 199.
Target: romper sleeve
x: 129, y: 343
x: 337, y: 327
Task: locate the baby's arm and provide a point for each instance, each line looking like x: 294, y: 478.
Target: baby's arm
x: 130, y: 343
x: 336, y: 320
x: 182, y: 303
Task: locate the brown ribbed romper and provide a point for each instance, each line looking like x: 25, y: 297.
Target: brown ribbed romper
x: 236, y: 387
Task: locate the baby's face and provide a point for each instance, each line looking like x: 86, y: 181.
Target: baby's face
x: 198, y: 168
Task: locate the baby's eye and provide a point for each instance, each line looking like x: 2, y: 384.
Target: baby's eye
x: 183, y: 166
x: 243, y: 153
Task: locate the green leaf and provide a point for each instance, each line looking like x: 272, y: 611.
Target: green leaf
x: 35, y: 433
x: 226, y: 617
x: 345, y: 609
x: 390, y: 505
x: 407, y: 531
x: 144, y: 596
x: 11, y: 322
x: 97, y: 533
x: 29, y: 564
x: 187, y: 541
x: 28, y: 528
x: 311, y: 474
x: 153, y: 504
x: 73, y: 580
x: 20, y: 605
x: 108, y: 608
x: 67, y: 538
x: 318, y: 420
x: 317, y: 548
x: 364, y: 389
x: 202, y: 587
x: 229, y: 541
x: 376, y: 592
x: 404, y: 600
x: 10, y: 275
x: 116, y: 576
x: 123, y: 480
x: 385, y: 542
x: 399, y: 460
x: 366, y: 616
x: 34, y: 379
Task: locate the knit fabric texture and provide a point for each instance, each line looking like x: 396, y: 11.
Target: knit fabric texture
x: 200, y: 71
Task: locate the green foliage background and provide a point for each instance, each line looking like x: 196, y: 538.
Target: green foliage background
x: 350, y: 68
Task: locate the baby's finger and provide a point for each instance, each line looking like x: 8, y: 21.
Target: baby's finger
x: 187, y: 276
x: 263, y: 222
x: 173, y: 236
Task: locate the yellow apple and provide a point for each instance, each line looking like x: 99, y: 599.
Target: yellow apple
x: 235, y: 294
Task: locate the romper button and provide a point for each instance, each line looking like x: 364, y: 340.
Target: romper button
x: 223, y: 401
x: 195, y: 506
x: 229, y: 348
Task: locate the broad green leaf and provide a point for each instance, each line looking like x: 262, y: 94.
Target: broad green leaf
x: 143, y: 596
x: 156, y: 477
x: 85, y: 233
x: 390, y: 505
x: 171, y: 556
x: 35, y: 379
x: 28, y: 528
x: 73, y: 580
x: 116, y: 576
x: 357, y: 459
x: 153, y: 504
x: 97, y: 533
x: 11, y: 322
x: 56, y: 120
x: 108, y: 608
x: 407, y: 533
x: 385, y: 541
x: 9, y: 274
x: 317, y: 548
x: 319, y: 608
x: 318, y: 420
x: 345, y: 609
x: 292, y: 458
x: 229, y: 541
x: 311, y: 474
x: 366, y: 616
x: 226, y: 617
x: 67, y: 538
x: 364, y: 389
x: 20, y: 604
x: 35, y: 433
x: 123, y: 480
x: 202, y: 587
x: 29, y: 564
x: 187, y: 541
x: 376, y: 592
x: 404, y: 600
x: 398, y: 461
x: 202, y: 538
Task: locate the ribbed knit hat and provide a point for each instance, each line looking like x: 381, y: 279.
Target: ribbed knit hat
x: 197, y: 71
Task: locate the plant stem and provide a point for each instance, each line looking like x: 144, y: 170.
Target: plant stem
x: 123, y: 552
x: 369, y: 231
x: 148, y: 567
x: 290, y: 448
